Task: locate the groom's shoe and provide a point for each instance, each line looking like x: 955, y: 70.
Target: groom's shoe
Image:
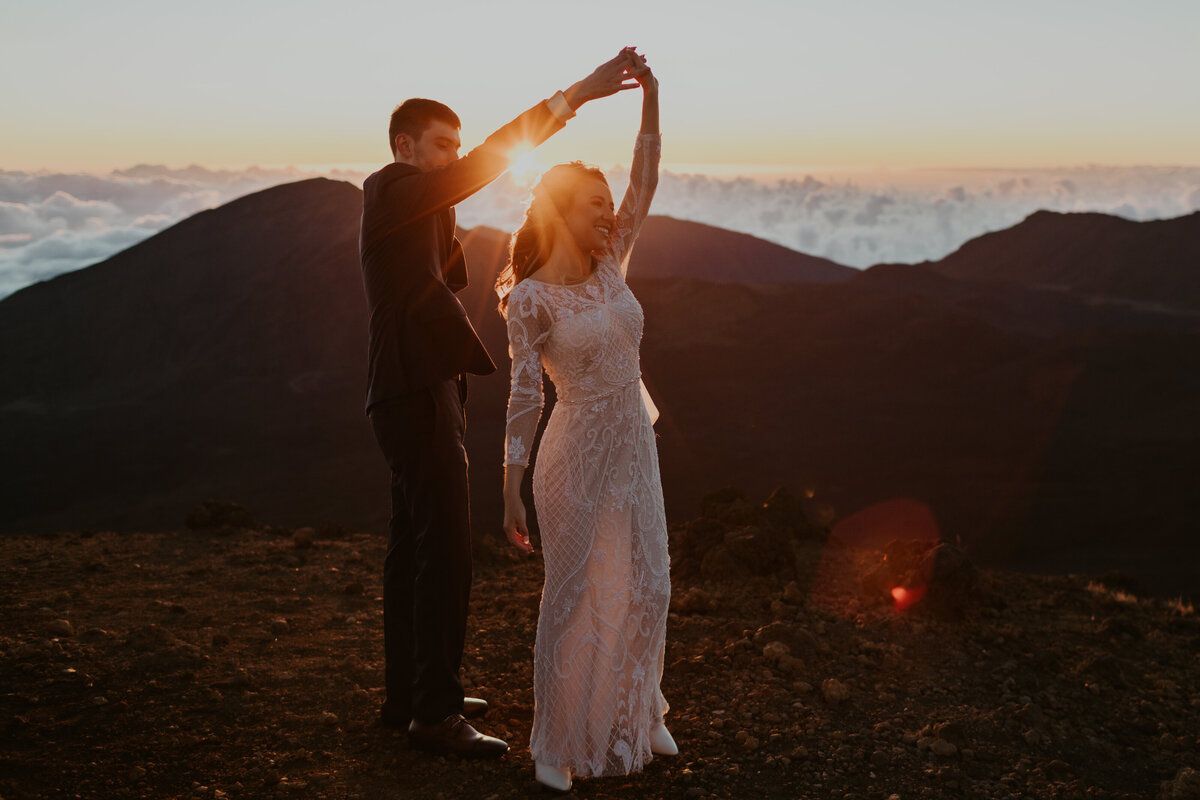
x: 474, y: 708
x: 454, y: 736
x: 390, y: 717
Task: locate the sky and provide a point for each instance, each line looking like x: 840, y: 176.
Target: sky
x: 790, y: 84
x: 864, y: 131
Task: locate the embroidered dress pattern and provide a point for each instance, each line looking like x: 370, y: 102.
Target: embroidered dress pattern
x: 601, y: 635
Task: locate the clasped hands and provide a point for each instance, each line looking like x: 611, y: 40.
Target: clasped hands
x: 627, y: 70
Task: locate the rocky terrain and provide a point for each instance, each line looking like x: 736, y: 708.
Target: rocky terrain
x: 232, y: 659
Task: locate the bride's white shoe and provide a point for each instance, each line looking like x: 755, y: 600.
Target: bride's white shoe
x: 661, y: 742
x: 556, y: 778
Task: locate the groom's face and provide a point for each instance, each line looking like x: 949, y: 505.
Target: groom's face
x: 437, y: 146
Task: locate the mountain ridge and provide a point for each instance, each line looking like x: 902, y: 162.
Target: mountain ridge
x: 1090, y: 253
x: 225, y: 357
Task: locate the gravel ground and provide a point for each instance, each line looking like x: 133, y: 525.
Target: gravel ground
x: 247, y: 662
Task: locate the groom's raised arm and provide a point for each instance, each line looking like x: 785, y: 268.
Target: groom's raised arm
x: 419, y: 193
x: 415, y: 194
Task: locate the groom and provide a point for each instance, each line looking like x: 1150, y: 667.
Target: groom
x: 420, y: 347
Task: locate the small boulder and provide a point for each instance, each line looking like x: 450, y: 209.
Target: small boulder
x: 792, y: 593
x: 950, y: 577
x: 835, y: 691
x: 60, y: 627
x: 797, y: 639
x: 150, y: 637
x: 773, y: 651
x: 952, y: 732
x: 729, y: 505
x: 785, y: 511
x: 1184, y: 786
x: 693, y: 600
x: 940, y: 747
x: 757, y: 550
x: 303, y: 538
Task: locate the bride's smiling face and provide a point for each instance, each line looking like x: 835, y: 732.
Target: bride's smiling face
x: 590, y: 218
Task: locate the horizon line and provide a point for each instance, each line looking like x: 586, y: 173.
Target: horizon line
x: 681, y: 168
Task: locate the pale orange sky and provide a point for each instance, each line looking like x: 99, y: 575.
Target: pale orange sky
x: 779, y: 84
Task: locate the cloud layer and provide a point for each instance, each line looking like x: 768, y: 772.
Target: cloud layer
x: 52, y: 223
x: 864, y: 218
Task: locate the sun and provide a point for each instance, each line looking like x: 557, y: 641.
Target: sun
x: 524, y: 165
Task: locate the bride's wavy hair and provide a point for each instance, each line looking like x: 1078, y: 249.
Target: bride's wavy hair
x: 531, y: 244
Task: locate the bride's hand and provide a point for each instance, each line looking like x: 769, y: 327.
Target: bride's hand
x: 640, y: 71
x: 607, y: 79
x: 514, y: 525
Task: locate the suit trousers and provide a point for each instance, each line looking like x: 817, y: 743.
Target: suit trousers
x: 427, y: 570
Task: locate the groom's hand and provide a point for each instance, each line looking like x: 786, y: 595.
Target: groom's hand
x: 607, y: 79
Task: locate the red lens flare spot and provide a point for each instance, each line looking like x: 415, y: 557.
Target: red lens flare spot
x: 906, y: 597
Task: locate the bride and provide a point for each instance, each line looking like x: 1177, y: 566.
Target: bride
x: 601, y: 635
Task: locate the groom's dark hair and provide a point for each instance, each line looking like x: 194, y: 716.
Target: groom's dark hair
x: 413, y: 117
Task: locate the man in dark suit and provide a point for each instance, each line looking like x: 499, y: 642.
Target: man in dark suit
x: 421, y: 345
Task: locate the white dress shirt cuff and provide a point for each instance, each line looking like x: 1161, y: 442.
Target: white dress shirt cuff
x: 560, y: 108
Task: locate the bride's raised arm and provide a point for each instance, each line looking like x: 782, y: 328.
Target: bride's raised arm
x: 643, y: 173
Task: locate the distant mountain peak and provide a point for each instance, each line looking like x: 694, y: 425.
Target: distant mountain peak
x: 1090, y: 253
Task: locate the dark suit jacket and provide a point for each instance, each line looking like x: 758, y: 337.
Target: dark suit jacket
x: 412, y: 263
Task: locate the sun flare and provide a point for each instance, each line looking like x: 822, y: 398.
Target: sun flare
x: 524, y: 165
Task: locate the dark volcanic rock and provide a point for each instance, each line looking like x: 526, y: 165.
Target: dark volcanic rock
x: 217, y: 514
x: 729, y: 505
x: 948, y: 577
x: 786, y: 512
x: 758, y: 551
x: 1184, y: 786
x: 934, y: 575
x: 734, y: 536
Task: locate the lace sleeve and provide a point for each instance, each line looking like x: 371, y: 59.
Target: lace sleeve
x: 643, y: 179
x: 527, y: 330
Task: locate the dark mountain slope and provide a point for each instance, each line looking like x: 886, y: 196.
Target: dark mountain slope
x: 1092, y: 254
x: 225, y: 358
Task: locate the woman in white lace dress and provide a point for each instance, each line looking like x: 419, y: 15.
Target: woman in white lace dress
x: 598, y: 656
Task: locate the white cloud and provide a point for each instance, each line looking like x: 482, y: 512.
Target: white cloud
x: 17, y: 219
x: 863, y: 218
x: 51, y: 223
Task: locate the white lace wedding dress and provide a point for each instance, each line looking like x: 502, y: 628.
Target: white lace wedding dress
x: 601, y: 635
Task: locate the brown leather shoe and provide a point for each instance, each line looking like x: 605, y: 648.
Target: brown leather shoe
x: 473, y: 707
x: 389, y: 717
x: 455, y: 736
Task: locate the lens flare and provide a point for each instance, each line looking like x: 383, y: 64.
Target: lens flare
x: 524, y: 166
x: 905, y: 597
